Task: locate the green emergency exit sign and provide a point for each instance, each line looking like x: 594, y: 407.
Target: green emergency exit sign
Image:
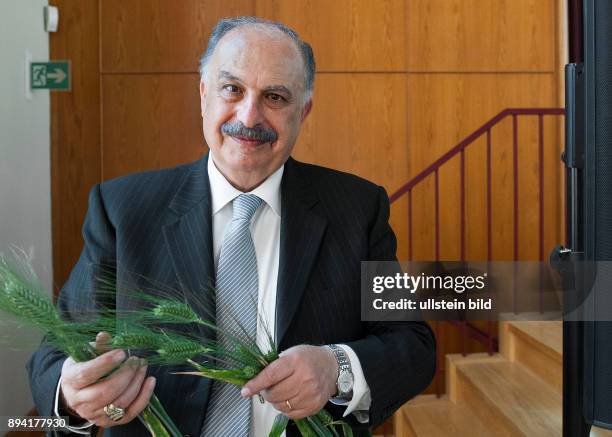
x: 53, y: 75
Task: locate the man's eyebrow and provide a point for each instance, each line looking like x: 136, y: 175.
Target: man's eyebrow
x: 228, y: 76
x: 279, y: 89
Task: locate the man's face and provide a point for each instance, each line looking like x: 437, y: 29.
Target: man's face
x: 253, y: 103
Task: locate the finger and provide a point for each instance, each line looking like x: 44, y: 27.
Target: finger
x: 102, y: 343
x: 286, y: 389
x: 294, y: 413
x: 129, y: 394
x: 141, y: 401
x: 272, y: 374
x: 283, y: 407
x: 299, y: 414
x: 80, y: 375
x: 106, y: 391
x: 130, y: 412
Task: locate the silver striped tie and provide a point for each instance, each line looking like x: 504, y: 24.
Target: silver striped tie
x: 229, y: 414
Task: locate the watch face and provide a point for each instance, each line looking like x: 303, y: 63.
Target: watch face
x: 345, y: 382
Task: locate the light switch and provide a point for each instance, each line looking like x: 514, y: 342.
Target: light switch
x: 51, y: 16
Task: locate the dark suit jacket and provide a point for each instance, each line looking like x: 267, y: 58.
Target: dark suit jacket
x: 158, y: 224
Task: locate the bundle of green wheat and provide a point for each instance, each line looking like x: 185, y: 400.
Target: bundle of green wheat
x: 239, y: 363
x: 155, y: 331
x: 23, y: 298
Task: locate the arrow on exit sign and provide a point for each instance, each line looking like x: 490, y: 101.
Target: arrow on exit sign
x: 54, y: 75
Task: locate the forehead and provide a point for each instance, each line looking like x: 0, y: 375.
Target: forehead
x: 259, y: 55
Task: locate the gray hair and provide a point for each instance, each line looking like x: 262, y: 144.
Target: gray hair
x: 227, y: 24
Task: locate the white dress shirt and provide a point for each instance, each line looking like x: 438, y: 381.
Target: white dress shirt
x: 265, y: 230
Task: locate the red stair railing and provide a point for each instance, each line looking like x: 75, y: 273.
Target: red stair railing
x: 487, y: 337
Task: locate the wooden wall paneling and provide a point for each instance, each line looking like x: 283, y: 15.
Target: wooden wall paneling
x: 75, y: 131
x: 554, y: 182
x: 562, y: 45
x: 357, y: 125
x: 445, y: 108
x: 160, y: 35
x: 399, y: 224
x: 346, y: 35
x: 423, y: 221
x: 469, y: 101
x: 502, y: 207
x: 151, y: 121
x: 528, y: 188
x: 449, y: 199
x: 476, y: 233
x: 481, y: 35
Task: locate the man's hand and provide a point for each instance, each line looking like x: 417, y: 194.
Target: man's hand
x: 83, y: 391
x: 303, y: 375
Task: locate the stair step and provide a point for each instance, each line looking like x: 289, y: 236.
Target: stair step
x: 430, y: 416
x: 545, y: 334
x: 505, y: 395
x: 537, y: 345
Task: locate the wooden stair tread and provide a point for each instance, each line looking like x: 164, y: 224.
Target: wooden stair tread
x: 548, y: 334
x: 510, y: 389
x: 429, y: 416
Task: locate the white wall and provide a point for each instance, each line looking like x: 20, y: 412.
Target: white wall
x: 25, y: 196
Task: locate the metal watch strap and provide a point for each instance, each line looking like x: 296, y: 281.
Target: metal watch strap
x: 341, y: 357
x: 344, y: 370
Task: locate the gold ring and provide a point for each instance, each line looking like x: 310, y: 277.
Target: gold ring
x: 114, y: 413
x: 288, y: 405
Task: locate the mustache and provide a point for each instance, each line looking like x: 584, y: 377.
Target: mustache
x: 258, y: 132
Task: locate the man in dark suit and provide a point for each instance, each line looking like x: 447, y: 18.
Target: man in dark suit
x: 291, y: 234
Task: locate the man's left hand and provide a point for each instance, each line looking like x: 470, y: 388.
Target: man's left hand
x: 299, y: 383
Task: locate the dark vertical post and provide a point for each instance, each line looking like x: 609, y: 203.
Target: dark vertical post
x: 574, y: 424
x: 575, y: 24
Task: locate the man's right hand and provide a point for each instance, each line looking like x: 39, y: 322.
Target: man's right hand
x: 83, y: 391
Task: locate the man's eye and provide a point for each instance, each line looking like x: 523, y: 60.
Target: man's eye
x: 277, y: 98
x: 231, y: 89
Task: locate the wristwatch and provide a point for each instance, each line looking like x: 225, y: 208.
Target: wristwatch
x: 344, y: 383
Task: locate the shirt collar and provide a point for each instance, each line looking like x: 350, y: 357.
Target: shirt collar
x: 222, y: 192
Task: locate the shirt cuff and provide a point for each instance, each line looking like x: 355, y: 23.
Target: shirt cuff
x: 360, y: 403
x: 84, y: 429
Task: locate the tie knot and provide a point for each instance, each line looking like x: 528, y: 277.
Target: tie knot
x: 245, y: 206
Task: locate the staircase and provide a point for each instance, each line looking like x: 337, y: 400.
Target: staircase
x: 517, y: 392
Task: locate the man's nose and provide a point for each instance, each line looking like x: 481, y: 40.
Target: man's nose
x: 250, y: 112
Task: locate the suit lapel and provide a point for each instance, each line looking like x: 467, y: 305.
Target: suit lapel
x: 189, y: 240
x: 300, y: 237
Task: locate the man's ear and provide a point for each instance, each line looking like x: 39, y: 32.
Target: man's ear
x: 306, y: 110
x: 202, y: 96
